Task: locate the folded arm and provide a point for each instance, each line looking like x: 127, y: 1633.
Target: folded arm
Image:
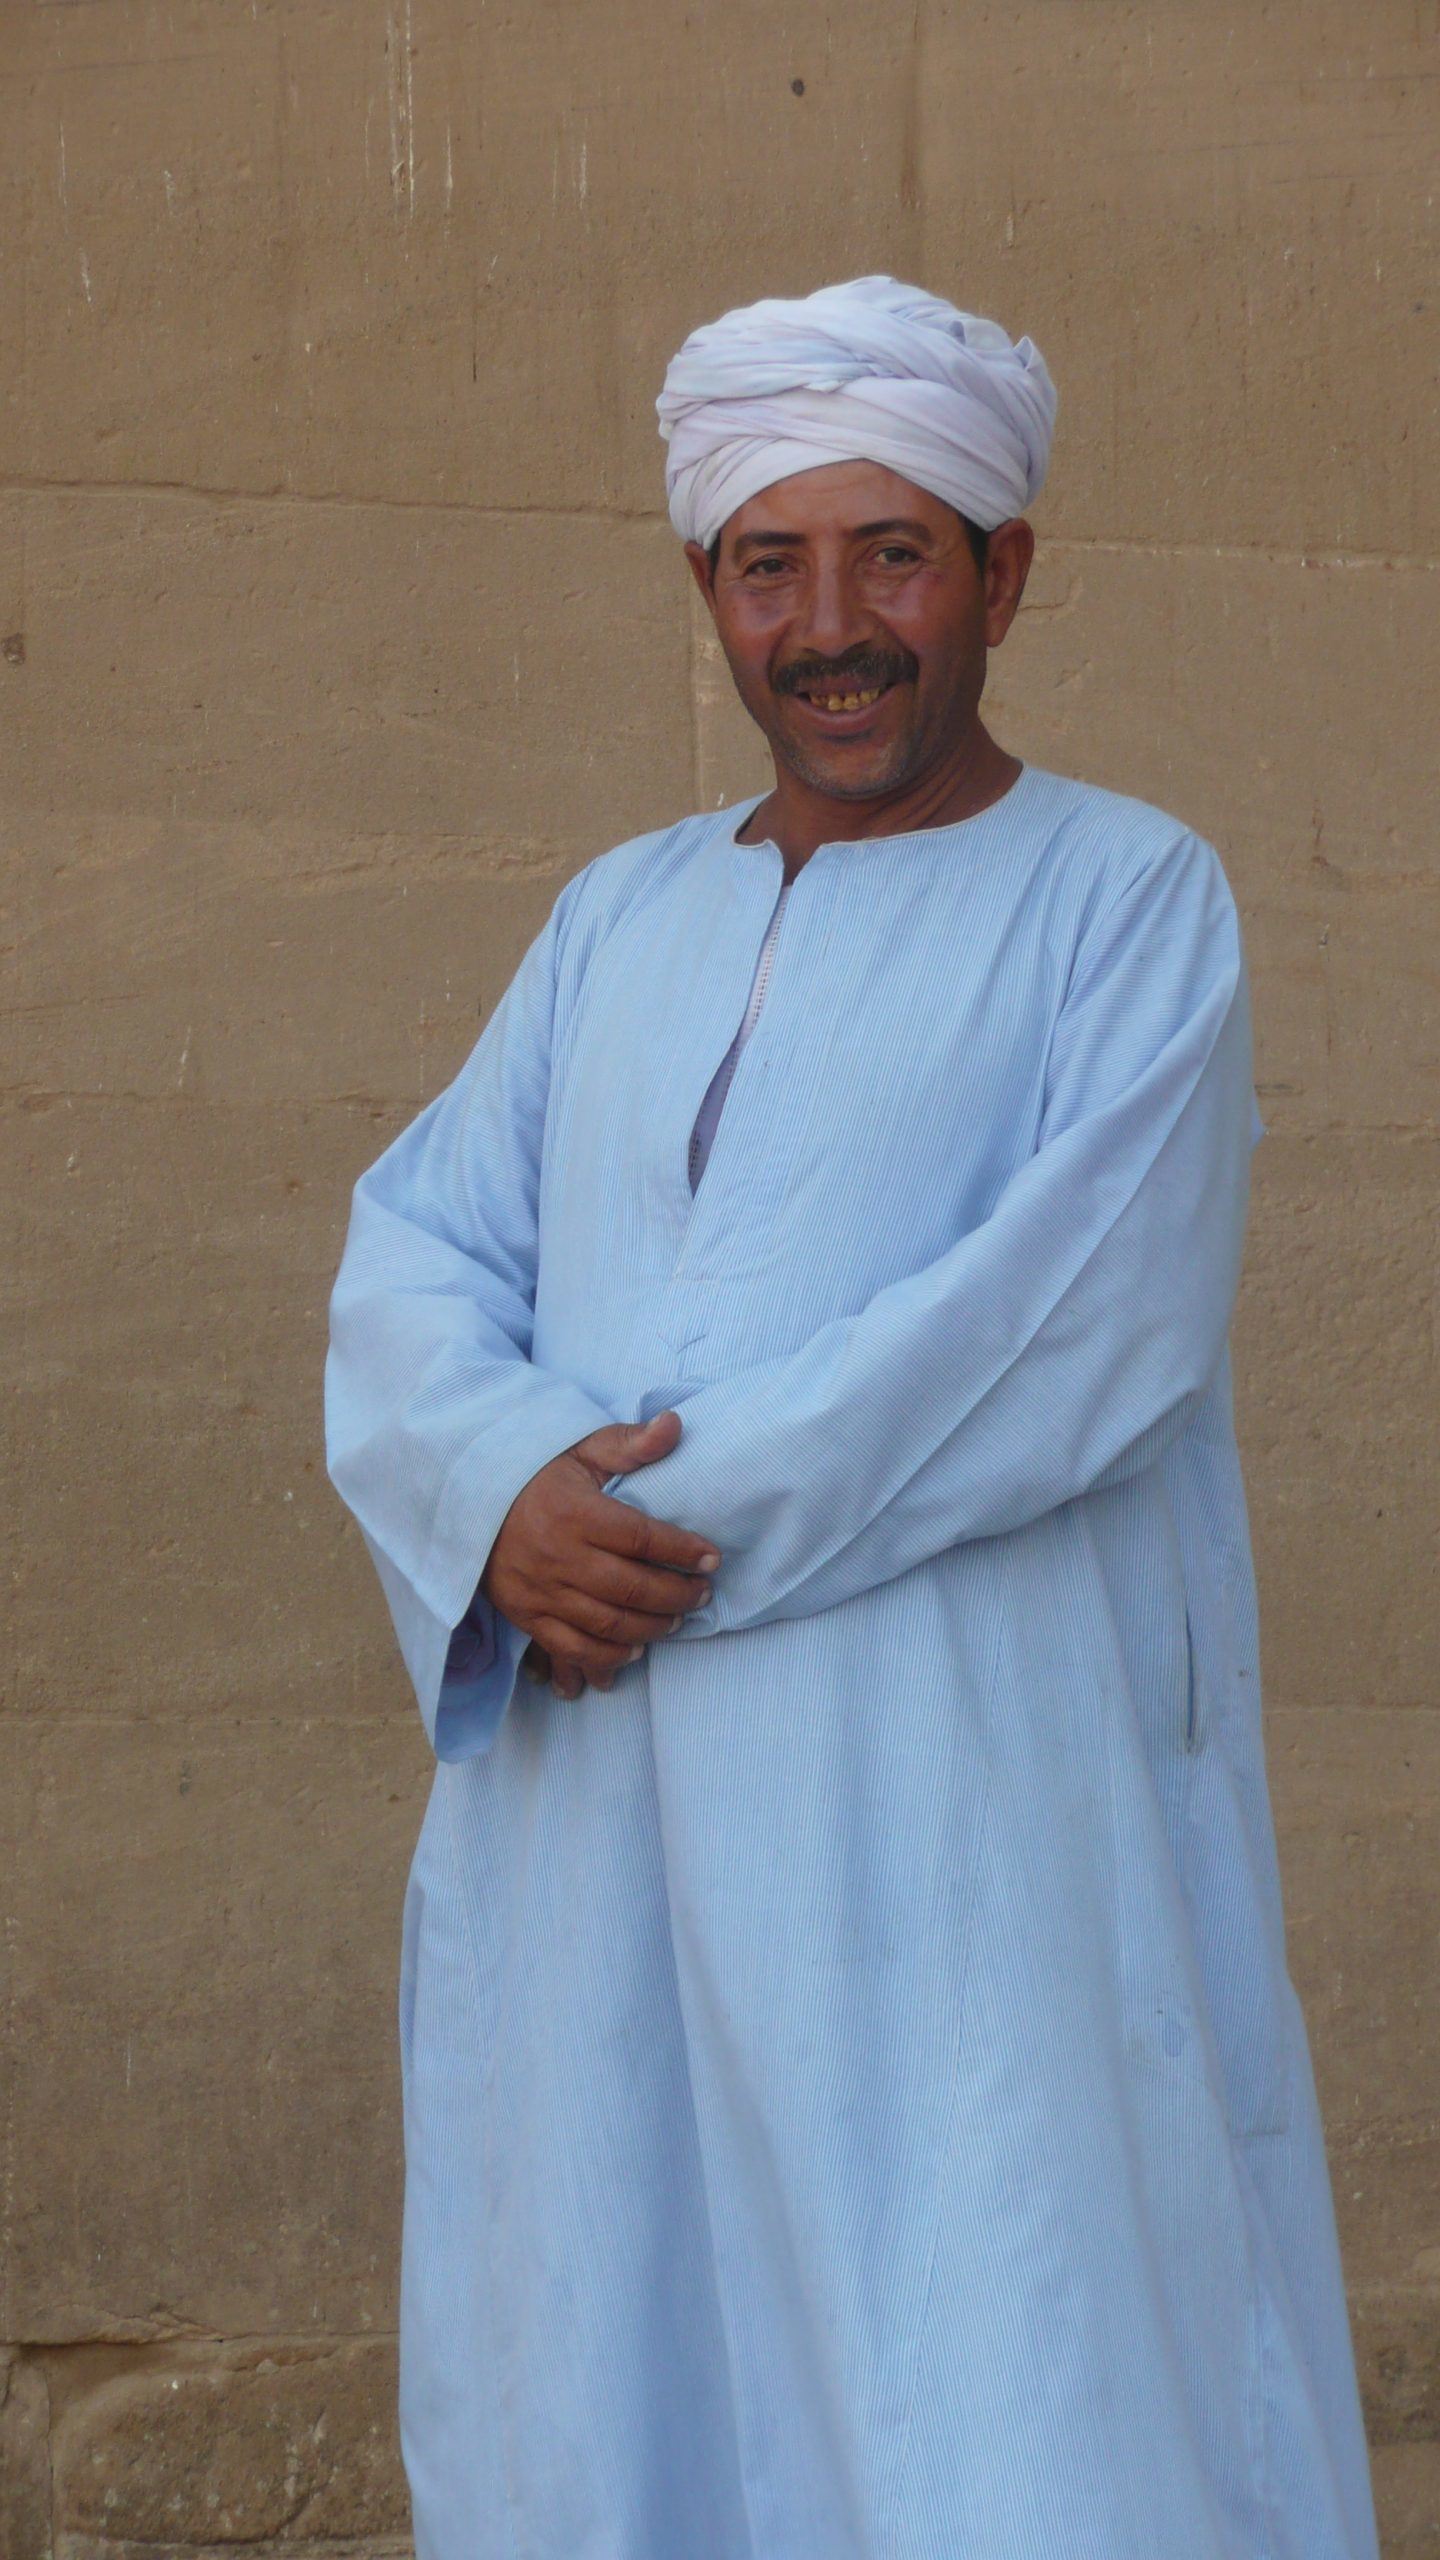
x: 1058, y: 1346
x: 436, y: 1416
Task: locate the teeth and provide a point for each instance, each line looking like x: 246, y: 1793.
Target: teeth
x: 849, y: 701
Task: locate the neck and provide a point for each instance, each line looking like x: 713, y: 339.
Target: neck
x: 797, y: 817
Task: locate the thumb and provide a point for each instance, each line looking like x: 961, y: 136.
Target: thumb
x: 620, y: 1447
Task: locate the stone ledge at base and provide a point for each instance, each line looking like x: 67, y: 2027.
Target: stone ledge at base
x: 197, y: 2447
x: 85, y: 2547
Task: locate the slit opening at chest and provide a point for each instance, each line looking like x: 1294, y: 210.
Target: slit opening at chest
x: 707, y: 1119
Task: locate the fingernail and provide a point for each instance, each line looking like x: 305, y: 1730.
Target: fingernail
x: 676, y: 1624
x: 705, y: 1594
x: 708, y: 1560
x: 637, y: 1649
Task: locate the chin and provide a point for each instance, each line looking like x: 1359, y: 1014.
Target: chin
x: 850, y: 777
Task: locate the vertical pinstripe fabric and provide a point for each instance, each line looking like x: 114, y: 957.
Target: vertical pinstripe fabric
x: 856, y: 2108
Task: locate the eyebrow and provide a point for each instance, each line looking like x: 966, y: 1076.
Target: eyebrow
x: 910, y: 525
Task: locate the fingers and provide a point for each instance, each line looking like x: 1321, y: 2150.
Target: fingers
x: 614, y: 1625
x: 627, y: 1532
x: 611, y: 1597
x: 538, y: 1668
x: 609, y: 1579
x: 585, y: 1657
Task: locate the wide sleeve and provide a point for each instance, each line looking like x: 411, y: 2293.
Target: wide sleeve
x: 435, y: 1414
x: 1058, y: 1346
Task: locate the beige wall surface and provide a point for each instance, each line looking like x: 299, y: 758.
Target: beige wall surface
x: 339, y: 623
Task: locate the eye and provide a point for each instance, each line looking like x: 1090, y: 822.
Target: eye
x: 896, y: 553
x: 767, y: 561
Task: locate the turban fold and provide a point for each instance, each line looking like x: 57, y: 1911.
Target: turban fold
x: 872, y: 371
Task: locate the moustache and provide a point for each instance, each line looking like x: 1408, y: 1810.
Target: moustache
x: 858, y: 667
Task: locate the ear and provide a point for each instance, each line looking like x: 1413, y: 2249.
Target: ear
x: 1007, y: 566
x: 700, y: 571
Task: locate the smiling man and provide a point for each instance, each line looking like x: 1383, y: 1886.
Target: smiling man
x: 854, y: 2099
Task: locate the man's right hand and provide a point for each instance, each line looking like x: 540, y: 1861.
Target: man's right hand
x: 592, y: 1580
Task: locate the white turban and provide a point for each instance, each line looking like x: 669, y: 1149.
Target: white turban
x: 872, y: 371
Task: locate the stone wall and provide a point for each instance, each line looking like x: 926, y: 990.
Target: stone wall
x: 339, y: 623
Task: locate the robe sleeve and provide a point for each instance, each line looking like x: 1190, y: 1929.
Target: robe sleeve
x: 1058, y: 1346
x: 436, y: 1416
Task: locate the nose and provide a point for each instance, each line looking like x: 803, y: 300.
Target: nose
x: 832, y: 618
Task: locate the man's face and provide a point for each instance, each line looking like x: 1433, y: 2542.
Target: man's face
x: 856, y: 623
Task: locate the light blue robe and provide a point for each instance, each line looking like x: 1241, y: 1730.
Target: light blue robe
x: 855, y: 2105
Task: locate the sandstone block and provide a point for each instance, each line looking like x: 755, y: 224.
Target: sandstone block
x: 1080, y: 173
x: 153, y: 254
x: 1339, y: 1293
x: 1397, y: 2352
x: 427, y: 252
x: 790, y: 161
x: 1347, y: 1584
x: 402, y: 251
x: 1387, y: 2176
x: 24, y: 2459
x: 505, y: 684
x: 1335, y: 1379
x: 12, y: 598
x: 489, y: 313
x: 1346, y: 998
x: 1407, y: 2499
x: 14, y: 389
x: 204, y: 1921
x: 1356, y: 1796
x: 179, y: 963
x: 89, y: 2546
x: 453, y: 296
x: 290, y: 2445
x: 1252, y: 697
x: 178, y: 1546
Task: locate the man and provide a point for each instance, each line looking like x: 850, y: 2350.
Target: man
x: 855, y: 2103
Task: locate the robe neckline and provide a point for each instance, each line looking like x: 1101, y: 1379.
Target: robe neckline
x: 920, y: 836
